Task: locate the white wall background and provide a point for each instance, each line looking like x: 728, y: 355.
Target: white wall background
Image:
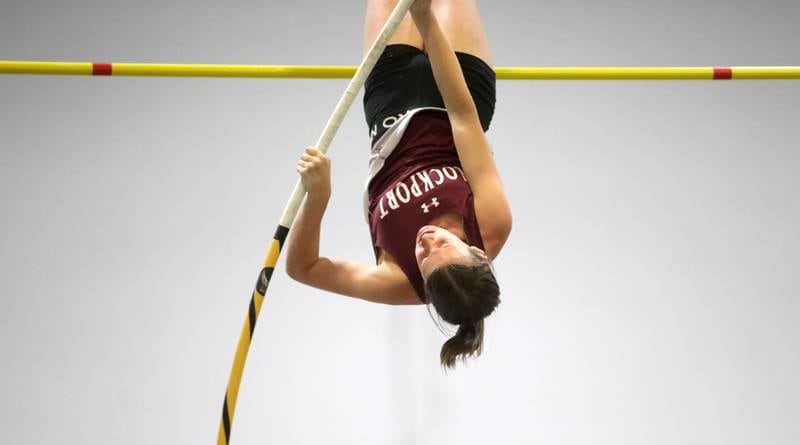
x: 650, y: 286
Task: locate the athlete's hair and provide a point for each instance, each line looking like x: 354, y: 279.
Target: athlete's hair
x: 463, y: 294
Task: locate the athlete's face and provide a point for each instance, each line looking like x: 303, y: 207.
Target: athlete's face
x: 437, y: 247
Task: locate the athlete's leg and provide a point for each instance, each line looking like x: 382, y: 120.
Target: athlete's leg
x: 378, y: 11
x: 462, y: 25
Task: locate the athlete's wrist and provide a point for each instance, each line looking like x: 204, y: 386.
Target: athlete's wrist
x: 319, y: 195
x: 423, y: 19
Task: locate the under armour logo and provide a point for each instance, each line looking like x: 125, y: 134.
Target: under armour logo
x: 426, y: 207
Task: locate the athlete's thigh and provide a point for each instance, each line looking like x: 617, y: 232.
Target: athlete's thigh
x: 462, y: 25
x: 378, y: 11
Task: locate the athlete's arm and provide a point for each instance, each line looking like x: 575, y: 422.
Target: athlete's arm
x: 378, y: 284
x: 474, y: 152
x: 446, y: 69
x: 384, y: 283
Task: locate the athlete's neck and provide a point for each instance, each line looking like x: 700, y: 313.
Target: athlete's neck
x: 453, y: 222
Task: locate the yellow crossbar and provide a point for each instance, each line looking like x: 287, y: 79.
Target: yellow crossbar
x: 346, y: 72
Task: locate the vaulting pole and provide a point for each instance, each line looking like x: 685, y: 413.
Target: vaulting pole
x: 289, y: 213
x: 346, y: 72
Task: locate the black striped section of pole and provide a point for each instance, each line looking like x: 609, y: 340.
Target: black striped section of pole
x: 289, y: 214
x: 256, y: 300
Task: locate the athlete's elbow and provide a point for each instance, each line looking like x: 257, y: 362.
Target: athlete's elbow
x: 297, y: 271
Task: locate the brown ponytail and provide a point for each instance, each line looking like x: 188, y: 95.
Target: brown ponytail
x: 468, y: 342
x: 463, y: 295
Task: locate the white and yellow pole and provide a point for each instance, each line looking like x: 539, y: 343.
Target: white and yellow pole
x: 289, y: 214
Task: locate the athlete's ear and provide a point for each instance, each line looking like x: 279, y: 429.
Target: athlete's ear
x: 479, y: 252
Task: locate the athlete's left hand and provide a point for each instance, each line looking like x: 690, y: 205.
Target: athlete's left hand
x: 315, y: 171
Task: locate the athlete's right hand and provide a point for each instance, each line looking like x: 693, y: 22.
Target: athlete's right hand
x: 315, y: 171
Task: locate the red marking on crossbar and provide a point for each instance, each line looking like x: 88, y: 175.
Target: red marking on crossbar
x: 723, y: 73
x: 101, y: 69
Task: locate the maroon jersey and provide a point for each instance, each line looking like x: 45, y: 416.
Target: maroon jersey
x: 420, y: 180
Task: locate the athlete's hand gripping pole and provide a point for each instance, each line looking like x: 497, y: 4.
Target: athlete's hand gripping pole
x: 289, y: 214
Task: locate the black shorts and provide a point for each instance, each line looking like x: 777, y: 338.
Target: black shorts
x: 403, y: 79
